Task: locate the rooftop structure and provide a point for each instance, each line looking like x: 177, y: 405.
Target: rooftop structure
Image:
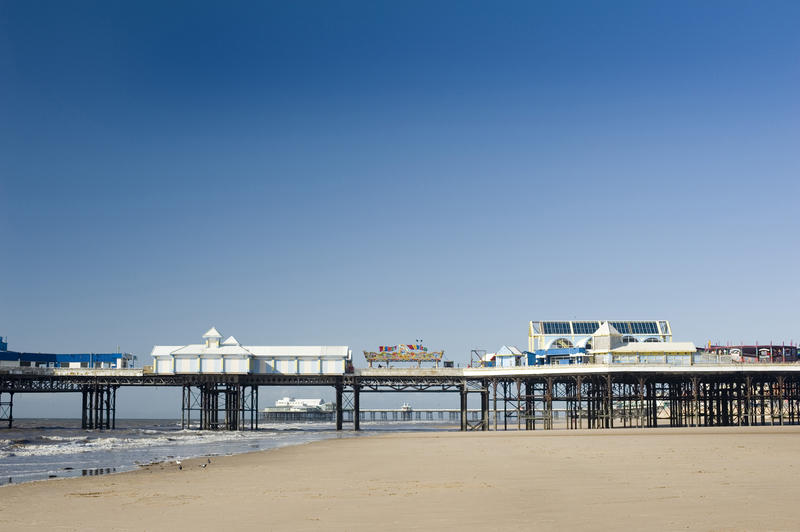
x: 607, y: 345
x: 756, y: 352
x: 578, y: 333
x: 505, y: 357
x: 403, y: 353
x: 229, y: 356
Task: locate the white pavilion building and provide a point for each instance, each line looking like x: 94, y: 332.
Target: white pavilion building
x: 215, y: 355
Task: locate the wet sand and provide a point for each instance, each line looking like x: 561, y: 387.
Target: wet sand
x: 651, y: 479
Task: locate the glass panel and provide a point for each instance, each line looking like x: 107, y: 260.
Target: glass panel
x: 585, y: 327
x: 556, y: 327
x: 621, y: 326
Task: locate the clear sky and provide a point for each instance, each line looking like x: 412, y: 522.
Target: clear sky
x: 365, y: 173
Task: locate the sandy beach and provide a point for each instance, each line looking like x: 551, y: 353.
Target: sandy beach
x: 654, y: 479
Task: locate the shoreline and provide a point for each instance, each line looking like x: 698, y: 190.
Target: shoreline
x: 57, y: 452
x: 53, y: 451
x: 708, y: 478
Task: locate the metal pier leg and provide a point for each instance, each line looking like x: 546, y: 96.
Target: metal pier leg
x: 108, y: 407
x: 530, y: 422
x: 356, y: 406
x: 748, y: 408
x: 641, y: 385
x: 204, y: 408
x: 105, y: 412
x: 485, y: 407
x: 114, y: 407
x: 91, y: 409
x: 610, y: 406
x: 95, y: 419
x: 98, y: 408
x: 494, y: 389
x: 255, y: 406
x: 505, y: 405
x: 7, y: 408
x: 339, y: 387
x: 84, y: 401
x: 548, y: 404
x: 464, y: 407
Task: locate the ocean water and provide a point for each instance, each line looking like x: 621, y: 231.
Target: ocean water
x: 39, y: 449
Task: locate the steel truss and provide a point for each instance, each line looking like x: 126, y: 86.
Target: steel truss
x: 7, y: 408
x: 606, y: 401
x: 99, y: 407
x: 572, y: 400
x: 348, y: 396
x: 220, y: 406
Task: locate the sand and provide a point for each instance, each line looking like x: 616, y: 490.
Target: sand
x: 652, y: 479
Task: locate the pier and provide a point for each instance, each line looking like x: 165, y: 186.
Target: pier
x: 414, y: 414
x: 451, y: 415
x: 524, y: 398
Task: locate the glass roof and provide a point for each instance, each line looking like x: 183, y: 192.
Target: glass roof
x: 589, y: 327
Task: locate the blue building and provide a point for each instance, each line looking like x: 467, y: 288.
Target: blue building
x: 18, y: 359
x: 562, y: 355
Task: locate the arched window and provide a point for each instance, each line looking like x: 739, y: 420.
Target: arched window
x: 652, y: 340
x: 562, y: 343
x: 629, y: 340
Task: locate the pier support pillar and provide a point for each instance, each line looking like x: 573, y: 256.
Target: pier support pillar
x: 220, y: 406
x: 609, y: 407
x: 530, y: 423
x: 7, y: 408
x: 485, y: 406
x: 339, y: 407
x: 99, y: 407
x: 356, y: 406
x: 463, y: 393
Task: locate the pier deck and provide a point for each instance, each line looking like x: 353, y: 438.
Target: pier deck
x: 589, y: 395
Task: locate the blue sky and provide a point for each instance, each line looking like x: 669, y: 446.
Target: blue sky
x: 364, y: 173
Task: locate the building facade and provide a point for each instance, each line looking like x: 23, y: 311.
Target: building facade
x: 543, y: 335
x: 748, y: 354
x: 215, y: 355
x: 571, y: 342
x: 21, y: 359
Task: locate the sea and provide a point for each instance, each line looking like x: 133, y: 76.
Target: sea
x: 41, y: 449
